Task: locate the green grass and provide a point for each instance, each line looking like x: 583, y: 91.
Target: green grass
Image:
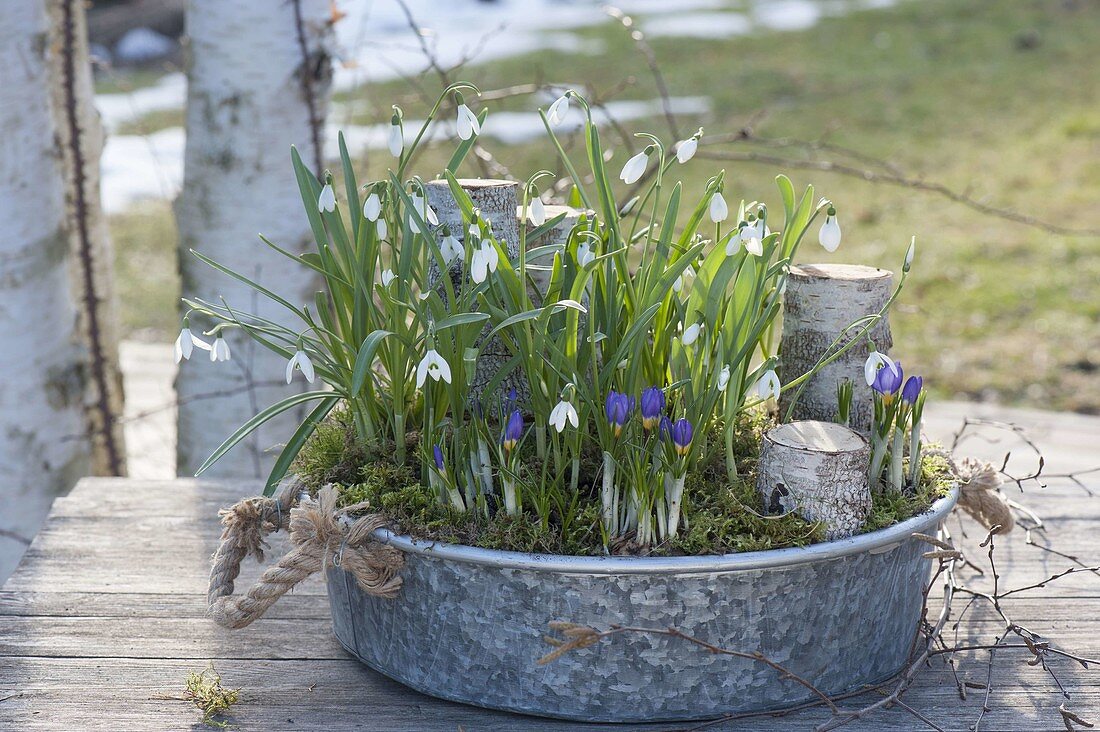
x: 945, y: 90
x: 147, y: 279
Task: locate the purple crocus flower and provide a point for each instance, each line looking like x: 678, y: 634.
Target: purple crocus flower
x: 681, y: 433
x: 618, y: 407
x: 437, y: 454
x: 911, y: 390
x: 888, y: 380
x: 652, y: 406
x: 666, y: 428
x: 513, y: 430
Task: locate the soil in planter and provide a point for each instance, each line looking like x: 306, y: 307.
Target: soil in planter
x: 721, y: 517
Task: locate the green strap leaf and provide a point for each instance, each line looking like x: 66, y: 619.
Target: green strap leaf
x: 294, y: 445
x: 365, y: 358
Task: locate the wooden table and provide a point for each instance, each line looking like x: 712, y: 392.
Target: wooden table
x: 104, y: 619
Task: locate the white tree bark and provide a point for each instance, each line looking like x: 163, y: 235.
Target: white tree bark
x: 80, y: 140
x: 258, y: 82
x: 43, y: 445
x: 821, y: 301
x: 496, y: 200
x: 819, y: 470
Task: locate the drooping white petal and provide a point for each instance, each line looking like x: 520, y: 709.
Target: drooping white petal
x: 372, y: 207
x: 874, y: 362
x: 467, y: 123
x: 754, y: 245
x: 219, y: 351
x: 479, y: 266
x: 691, y: 334
x: 584, y: 254
x: 536, y: 211
x: 734, y: 244
x: 634, y: 168
x: 396, y: 140
x: 768, y: 385
x: 422, y: 369
x: 387, y: 277
x: 558, y: 110
x: 380, y: 228
x: 719, y: 211
x: 433, y: 365
x: 290, y: 364
x: 685, y: 151
x: 306, y: 366
x: 829, y: 236
x: 450, y: 248
x: 491, y: 254
x: 910, y: 253
x: 723, y: 378
x: 326, y: 202
x: 185, y: 345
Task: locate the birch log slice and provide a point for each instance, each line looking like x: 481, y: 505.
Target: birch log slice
x: 818, y: 470
x: 821, y: 302
x: 496, y: 202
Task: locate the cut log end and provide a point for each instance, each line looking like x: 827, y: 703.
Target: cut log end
x: 818, y: 470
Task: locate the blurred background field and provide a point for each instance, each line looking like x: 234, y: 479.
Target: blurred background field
x: 994, y: 100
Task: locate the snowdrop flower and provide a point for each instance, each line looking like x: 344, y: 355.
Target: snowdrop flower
x: 558, y: 110
x: 396, y: 141
x: 426, y: 212
x: 451, y: 248
x: 186, y: 343
x: 636, y: 166
x: 300, y: 361
x: 752, y: 236
x: 432, y: 365
x: 484, y: 261
x: 691, y: 334
x: 220, y: 350
x: 829, y: 236
x: 874, y: 362
x: 719, y: 211
x: 723, y: 378
x: 678, y: 285
x: 734, y: 243
x: 909, y: 253
x: 536, y: 211
x: 326, y: 202
x: 380, y: 228
x: 562, y: 413
x: 372, y: 207
x: 467, y: 123
x: 768, y: 385
x: 685, y: 149
x: 387, y: 277
x: 584, y: 254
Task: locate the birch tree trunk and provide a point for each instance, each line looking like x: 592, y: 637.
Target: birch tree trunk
x: 43, y: 425
x: 821, y: 301
x: 258, y: 82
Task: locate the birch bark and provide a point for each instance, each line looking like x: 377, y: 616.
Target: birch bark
x: 258, y: 82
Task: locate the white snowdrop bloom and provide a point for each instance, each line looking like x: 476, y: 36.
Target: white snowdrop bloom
x: 563, y: 412
x: 768, y: 385
x: 326, y: 202
x: 300, y: 361
x: 451, y: 248
x: 723, y: 378
x: 685, y: 149
x: 634, y: 168
x: 396, y: 141
x: 874, y: 362
x: 186, y: 343
x: 910, y: 253
x: 753, y: 243
x: 473, y: 234
x: 432, y: 365
x: 467, y: 123
x: 584, y: 254
x: 387, y: 277
x: 219, y: 351
x: 372, y: 207
x: 691, y: 334
x: 484, y: 261
x: 558, y: 110
x: 678, y: 285
x: 421, y: 206
x: 829, y: 236
x: 719, y: 211
x: 536, y: 211
x: 734, y: 244
x: 380, y: 228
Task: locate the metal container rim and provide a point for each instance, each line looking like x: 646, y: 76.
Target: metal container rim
x: 880, y: 540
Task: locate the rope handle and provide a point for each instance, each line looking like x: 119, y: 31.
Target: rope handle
x: 320, y: 539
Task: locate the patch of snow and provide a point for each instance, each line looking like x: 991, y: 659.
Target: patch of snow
x: 170, y: 92
x: 137, y: 167
x: 699, y: 25
x: 140, y: 45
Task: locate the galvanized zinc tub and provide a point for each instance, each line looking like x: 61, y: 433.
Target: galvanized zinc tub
x: 468, y: 624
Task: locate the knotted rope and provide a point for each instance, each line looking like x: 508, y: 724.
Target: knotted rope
x: 322, y: 537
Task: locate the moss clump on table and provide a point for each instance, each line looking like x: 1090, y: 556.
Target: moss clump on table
x: 721, y: 517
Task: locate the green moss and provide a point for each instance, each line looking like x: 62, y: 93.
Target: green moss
x: 720, y: 516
